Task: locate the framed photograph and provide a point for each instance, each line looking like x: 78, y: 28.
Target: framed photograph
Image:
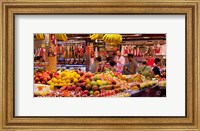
x: 97, y: 65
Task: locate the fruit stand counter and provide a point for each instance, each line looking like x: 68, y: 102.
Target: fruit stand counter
x: 71, y: 83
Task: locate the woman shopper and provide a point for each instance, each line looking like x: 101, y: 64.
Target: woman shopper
x: 97, y: 66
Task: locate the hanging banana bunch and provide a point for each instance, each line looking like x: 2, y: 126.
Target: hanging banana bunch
x: 96, y: 36
x: 61, y: 37
x: 112, y: 38
x: 39, y: 37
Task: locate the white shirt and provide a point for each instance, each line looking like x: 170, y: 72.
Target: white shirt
x: 121, y: 59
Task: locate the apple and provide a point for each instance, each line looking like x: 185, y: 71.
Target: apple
x: 69, y: 88
x: 91, y: 92
x: 73, y: 87
x: 37, y: 78
x: 86, y: 92
x: 41, y: 78
x: 48, y: 77
x: 88, y: 87
x: 45, y: 79
x: 40, y: 74
x: 78, y: 88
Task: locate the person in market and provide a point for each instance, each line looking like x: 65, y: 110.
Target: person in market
x: 97, y: 66
x: 150, y: 60
x: 145, y: 70
x: 131, y: 66
x: 112, y: 66
x: 120, y: 60
x: 156, y: 69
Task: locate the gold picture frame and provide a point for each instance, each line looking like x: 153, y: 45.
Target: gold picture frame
x: 9, y: 8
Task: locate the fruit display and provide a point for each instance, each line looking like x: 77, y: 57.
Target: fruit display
x: 42, y: 77
x: 133, y: 78
x: 75, y: 83
x: 65, y: 78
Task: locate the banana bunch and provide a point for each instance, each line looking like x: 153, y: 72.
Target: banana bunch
x: 112, y: 38
x: 96, y: 36
x: 61, y: 37
x: 39, y: 36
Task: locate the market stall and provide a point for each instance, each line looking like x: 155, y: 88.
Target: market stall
x: 62, y: 64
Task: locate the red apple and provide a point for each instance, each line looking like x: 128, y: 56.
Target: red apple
x: 41, y: 78
x: 40, y: 74
x: 78, y: 88
x: 37, y: 78
x: 48, y: 77
x: 73, y: 87
x: 86, y: 92
x: 45, y: 79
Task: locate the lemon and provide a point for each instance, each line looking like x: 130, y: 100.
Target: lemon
x: 59, y: 77
x: 59, y: 81
x: 52, y: 87
x: 75, y: 80
x: 68, y: 81
x: 54, y: 80
x: 49, y: 82
x: 63, y: 74
x: 56, y: 84
x: 78, y: 76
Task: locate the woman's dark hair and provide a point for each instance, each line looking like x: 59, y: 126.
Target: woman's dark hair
x: 99, y: 58
x: 112, y: 63
x: 144, y: 62
x: 157, y: 60
x: 130, y: 55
